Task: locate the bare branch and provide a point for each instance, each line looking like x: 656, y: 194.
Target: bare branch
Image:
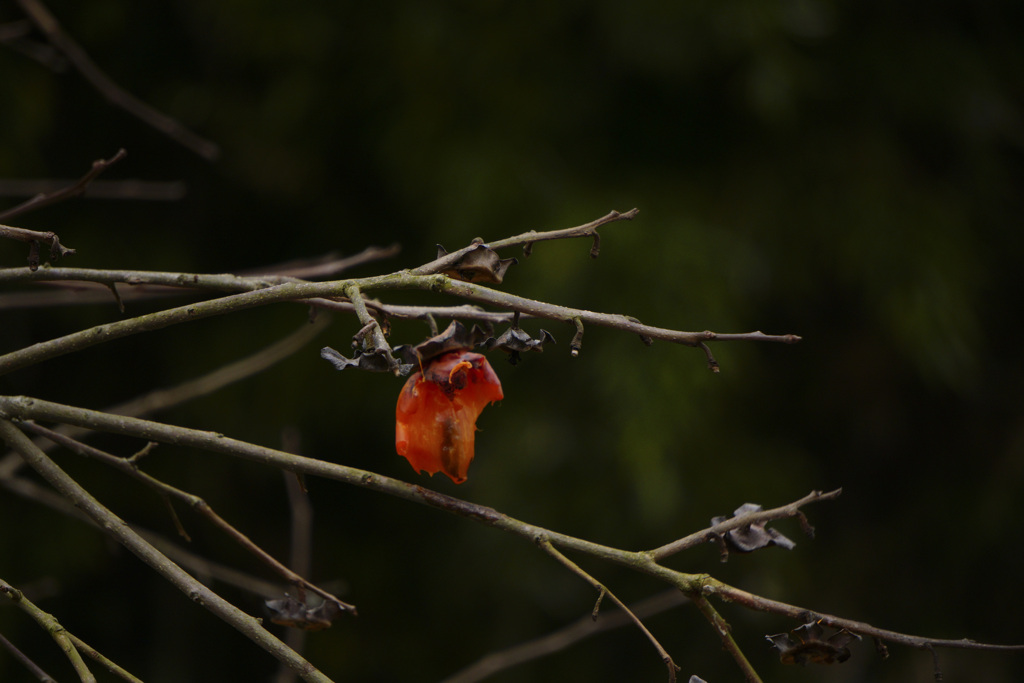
x: 120, y: 531
x: 712, y: 586
x: 162, y: 399
x: 527, y: 239
x: 25, y: 661
x: 323, y: 266
x: 202, y: 567
x: 95, y: 655
x: 718, y: 530
x: 75, y: 190
x: 263, y: 291
x: 87, y: 285
x: 724, y: 631
x: 22, y: 407
x: 302, y: 291
x: 301, y: 554
x: 16, y: 36
x: 689, y: 584
x: 139, y: 190
x: 577, y: 339
x: 34, y: 238
x: 565, y: 637
x: 129, y: 466
x: 712, y: 363
x: 115, y: 94
x: 51, y: 626
x: 603, y: 591
x: 539, y: 309
x: 376, y: 344
x: 145, y: 323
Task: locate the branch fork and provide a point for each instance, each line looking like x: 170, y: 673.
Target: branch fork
x: 371, y: 340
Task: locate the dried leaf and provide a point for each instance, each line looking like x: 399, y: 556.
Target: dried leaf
x: 454, y: 337
x: 289, y: 611
x: 751, y: 537
x: 810, y: 645
x: 480, y: 264
x: 515, y: 341
x: 371, y: 361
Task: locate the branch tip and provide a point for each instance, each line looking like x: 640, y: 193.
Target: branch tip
x: 597, y: 605
x: 577, y: 339
x: 712, y: 363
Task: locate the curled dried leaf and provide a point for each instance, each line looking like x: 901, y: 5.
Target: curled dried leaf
x: 479, y: 264
x: 371, y: 361
x: 514, y: 341
x: 751, y: 537
x: 810, y: 646
x: 288, y: 611
x: 456, y: 336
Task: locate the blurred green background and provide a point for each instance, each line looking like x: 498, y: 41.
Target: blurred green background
x: 847, y: 171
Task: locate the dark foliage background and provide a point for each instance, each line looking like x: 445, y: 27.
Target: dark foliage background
x: 847, y: 171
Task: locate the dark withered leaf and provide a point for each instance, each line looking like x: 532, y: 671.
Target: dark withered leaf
x: 371, y: 361
x: 480, y: 264
x: 751, y: 537
x: 289, y: 611
x: 810, y: 646
x: 515, y: 340
x: 454, y: 337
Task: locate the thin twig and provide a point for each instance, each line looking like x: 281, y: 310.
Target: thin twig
x: 371, y: 327
x: 577, y: 339
x: 323, y: 266
x: 204, y: 385
x: 133, y: 190
x: 24, y: 408
x: 527, y: 239
x: 719, y: 530
x: 34, y: 238
x: 26, y: 662
x: 16, y: 36
x: 540, y: 309
x: 145, y: 323
x: 202, y: 567
x: 31, y: 408
x: 302, y: 291
x: 74, y: 190
x: 115, y: 527
x: 50, y: 624
x: 565, y: 637
x: 317, y: 293
x: 95, y: 655
x: 163, y: 399
x: 78, y: 286
x: 729, y: 593
x: 300, y: 557
x: 128, y: 466
x: 724, y: 631
x: 115, y: 94
x: 603, y: 591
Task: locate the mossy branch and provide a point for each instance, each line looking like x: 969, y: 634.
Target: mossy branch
x: 695, y: 586
x: 116, y: 528
x: 50, y: 624
x: 262, y: 291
